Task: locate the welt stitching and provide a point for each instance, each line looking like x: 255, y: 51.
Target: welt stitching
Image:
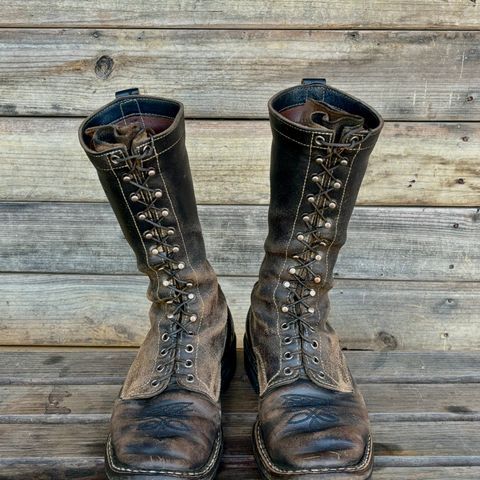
x: 202, y: 472
x: 264, y: 453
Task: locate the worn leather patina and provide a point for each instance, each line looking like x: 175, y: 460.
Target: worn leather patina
x: 312, y: 420
x: 166, y: 422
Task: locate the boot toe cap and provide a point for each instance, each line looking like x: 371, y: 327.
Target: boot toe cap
x: 173, y: 432
x: 305, y: 427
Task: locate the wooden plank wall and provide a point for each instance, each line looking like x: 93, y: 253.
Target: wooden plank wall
x: 409, y: 277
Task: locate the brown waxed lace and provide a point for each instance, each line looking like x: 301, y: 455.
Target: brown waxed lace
x: 154, y: 215
x: 304, y: 277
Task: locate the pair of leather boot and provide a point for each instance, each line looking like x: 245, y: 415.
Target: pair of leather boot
x: 166, y: 422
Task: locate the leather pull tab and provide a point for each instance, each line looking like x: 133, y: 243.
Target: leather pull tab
x: 313, y: 81
x: 127, y: 92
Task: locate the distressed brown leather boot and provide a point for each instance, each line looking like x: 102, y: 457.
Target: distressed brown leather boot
x: 166, y: 423
x: 312, y: 421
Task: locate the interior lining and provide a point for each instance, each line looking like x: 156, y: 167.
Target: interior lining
x: 156, y: 123
x: 292, y: 102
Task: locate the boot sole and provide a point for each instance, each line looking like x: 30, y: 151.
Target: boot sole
x: 268, y: 471
x: 229, y: 362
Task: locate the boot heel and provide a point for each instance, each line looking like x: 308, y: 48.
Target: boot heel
x: 229, y: 359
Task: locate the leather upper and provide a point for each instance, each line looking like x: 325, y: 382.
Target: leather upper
x: 312, y: 418
x: 157, y: 229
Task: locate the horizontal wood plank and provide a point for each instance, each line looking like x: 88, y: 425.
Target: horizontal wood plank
x: 232, y: 73
x: 409, y: 166
x: 105, y: 366
x: 384, y: 243
x: 100, y: 310
x: 287, y: 14
x: 91, y: 468
x: 385, y: 402
x: 407, y: 441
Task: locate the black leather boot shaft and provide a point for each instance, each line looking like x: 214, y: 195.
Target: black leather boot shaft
x: 322, y: 139
x: 167, y: 421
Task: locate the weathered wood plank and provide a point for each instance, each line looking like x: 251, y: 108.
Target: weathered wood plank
x: 409, y: 166
x: 287, y: 14
x: 102, y: 310
x: 384, y: 243
x: 91, y: 468
x: 94, y: 366
x: 406, y: 440
x: 385, y: 402
x: 71, y: 72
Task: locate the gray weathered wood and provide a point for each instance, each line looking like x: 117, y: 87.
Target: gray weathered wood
x: 108, y: 366
x: 407, y: 441
x: 232, y: 73
x: 385, y: 402
x: 409, y: 166
x: 384, y: 243
x: 454, y: 14
x: 91, y: 468
x: 100, y: 310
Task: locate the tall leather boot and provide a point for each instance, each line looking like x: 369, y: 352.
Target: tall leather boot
x: 166, y: 423
x: 312, y: 421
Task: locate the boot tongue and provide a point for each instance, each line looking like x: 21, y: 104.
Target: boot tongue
x: 107, y: 137
x: 319, y: 114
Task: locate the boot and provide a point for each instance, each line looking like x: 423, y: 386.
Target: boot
x: 312, y: 420
x: 166, y: 423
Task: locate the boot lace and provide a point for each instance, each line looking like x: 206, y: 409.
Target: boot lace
x: 301, y: 287
x: 150, y: 219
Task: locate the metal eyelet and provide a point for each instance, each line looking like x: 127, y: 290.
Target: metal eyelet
x: 285, y: 309
x: 163, y: 352
x: 287, y: 371
x: 193, y: 318
x: 127, y: 178
x: 317, y: 279
x: 300, y: 237
x: 154, y: 251
x: 165, y: 337
x: 284, y: 326
x: 318, y: 257
x: 189, y: 348
x: 316, y: 360
x: 311, y: 310
x: 175, y: 249
x: 160, y: 368
x: 332, y: 205
x: 288, y: 355
x: 134, y: 197
x: 155, y: 383
x: 344, y: 163
x: 319, y: 139
x: 165, y: 212
x: 314, y: 344
x: 141, y: 215
x: 319, y: 160
x: 171, y: 231
x: 148, y: 235
x: 189, y: 364
x: 328, y: 225
x: 315, y: 179
x: 114, y: 158
x: 321, y: 374
x: 337, y: 184
x: 158, y: 194
x: 151, y: 172
x: 287, y: 340
x: 354, y: 139
x: 286, y: 284
x: 190, y: 378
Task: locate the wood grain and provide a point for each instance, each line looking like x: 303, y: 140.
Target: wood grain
x: 91, y: 468
x: 108, y: 366
x: 232, y: 73
x: 385, y: 402
x: 101, y: 310
x: 384, y: 243
x: 454, y: 14
x: 413, y: 163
